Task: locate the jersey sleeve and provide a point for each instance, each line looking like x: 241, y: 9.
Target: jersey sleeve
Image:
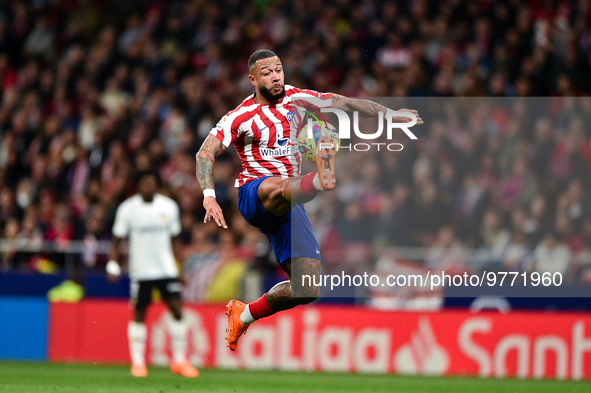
x: 175, y: 225
x: 310, y: 99
x: 121, y: 226
x: 226, y: 131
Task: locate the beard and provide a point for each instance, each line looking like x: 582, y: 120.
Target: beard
x: 270, y: 96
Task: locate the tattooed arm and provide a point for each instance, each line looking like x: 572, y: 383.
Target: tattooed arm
x: 367, y: 108
x: 211, y: 149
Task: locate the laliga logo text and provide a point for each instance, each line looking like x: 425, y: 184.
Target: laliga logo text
x: 345, y: 129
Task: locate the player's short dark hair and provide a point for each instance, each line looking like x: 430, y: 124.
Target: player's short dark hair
x: 258, y: 55
x: 145, y: 173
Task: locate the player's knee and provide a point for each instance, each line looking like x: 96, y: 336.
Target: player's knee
x: 310, y: 294
x: 280, y: 192
x: 308, y: 300
x: 274, y: 188
x: 286, y: 190
x: 274, y: 196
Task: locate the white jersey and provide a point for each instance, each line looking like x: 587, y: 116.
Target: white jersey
x: 150, y: 228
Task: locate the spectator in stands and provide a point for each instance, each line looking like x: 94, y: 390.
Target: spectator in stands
x: 495, y: 237
x: 8, y: 258
x: 551, y: 256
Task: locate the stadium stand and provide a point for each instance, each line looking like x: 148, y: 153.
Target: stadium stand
x: 93, y: 91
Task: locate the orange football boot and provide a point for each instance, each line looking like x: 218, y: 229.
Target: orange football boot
x: 325, y: 162
x: 139, y: 370
x: 235, y: 327
x: 185, y: 369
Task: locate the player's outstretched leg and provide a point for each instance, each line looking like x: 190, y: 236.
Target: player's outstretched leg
x: 278, y: 195
x: 279, y: 298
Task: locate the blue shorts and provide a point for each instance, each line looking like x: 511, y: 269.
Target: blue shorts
x: 290, y: 235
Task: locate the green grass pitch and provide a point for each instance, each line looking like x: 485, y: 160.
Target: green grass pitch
x: 21, y: 377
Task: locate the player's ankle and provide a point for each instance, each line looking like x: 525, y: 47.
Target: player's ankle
x: 316, y: 182
x: 246, y: 317
x: 260, y: 308
x: 309, y: 184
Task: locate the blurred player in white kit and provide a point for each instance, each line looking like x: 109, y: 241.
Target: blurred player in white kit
x: 152, y: 223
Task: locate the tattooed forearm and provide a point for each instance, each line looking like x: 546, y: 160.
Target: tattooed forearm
x: 365, y: 108
x: 204, y: 171
x: 211, y: 149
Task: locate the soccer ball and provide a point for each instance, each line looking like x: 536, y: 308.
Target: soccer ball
x: 307, y: 146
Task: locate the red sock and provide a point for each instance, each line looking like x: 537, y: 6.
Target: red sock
x: 259, y: 308
x: 307, y: 184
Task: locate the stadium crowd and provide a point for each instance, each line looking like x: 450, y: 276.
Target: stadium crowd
x: 94, y: 91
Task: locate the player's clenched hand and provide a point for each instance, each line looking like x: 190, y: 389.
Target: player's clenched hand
x: 213, y: 210
x: 407, y: 119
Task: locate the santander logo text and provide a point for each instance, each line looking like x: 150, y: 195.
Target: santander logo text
x: 568, y: 356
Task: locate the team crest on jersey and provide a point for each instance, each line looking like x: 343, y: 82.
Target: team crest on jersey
x: 290, y: 115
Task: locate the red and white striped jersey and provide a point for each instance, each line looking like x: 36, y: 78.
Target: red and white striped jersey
x: 263, y: 134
